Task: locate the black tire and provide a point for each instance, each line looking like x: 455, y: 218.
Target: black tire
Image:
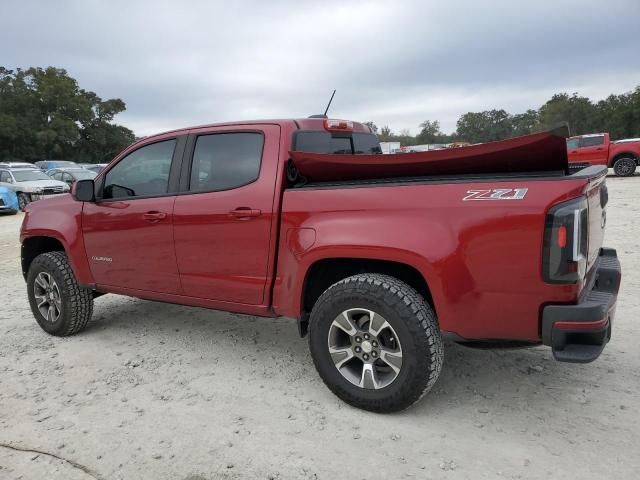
x: 415, y: 326
x: 76, y: 302
x: 624, y: 167
x: 23, y: 200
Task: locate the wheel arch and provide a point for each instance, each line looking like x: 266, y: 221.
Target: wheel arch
x: 37, y: 245
x: 626, y: 154
x: 324, y: 272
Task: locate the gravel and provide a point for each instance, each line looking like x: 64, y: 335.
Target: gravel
x: 156, y: 391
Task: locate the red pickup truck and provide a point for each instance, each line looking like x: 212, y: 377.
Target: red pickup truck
x: 597, y: 149
x: 376, y: 259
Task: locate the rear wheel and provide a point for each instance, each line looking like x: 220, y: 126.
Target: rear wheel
x: 375, y: 342
x: 61, y: 307
x: 624, y: 167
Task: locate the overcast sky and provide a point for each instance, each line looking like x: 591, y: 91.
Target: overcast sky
x: 183, y: 63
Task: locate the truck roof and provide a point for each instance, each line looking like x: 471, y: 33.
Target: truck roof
x: 300, y: 123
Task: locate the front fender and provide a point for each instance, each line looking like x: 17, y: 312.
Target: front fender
x: 59, y: 218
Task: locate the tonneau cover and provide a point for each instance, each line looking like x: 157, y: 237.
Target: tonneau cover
x: 544, y: 151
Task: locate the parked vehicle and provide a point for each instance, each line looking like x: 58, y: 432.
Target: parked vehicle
x: 17, y: 165
x: 71, y: 175
x: 8, y: 201
x: 46, y: 165
x: 375, y: 257
x: 597, y: 149
x: 94, y: 167
x: 30, y: 184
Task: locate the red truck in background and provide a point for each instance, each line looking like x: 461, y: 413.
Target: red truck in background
x: 598, y: 149
x: 377, y: 259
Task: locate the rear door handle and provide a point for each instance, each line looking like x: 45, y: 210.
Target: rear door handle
x: 154, y: 216
x: 245, y: 212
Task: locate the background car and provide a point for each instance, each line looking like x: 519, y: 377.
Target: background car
x: 71, y: 175
x: 30, y: 184
x: 17, y: 165
x: 94, y: 167
x: 8, y: 201
x: 46, y: 165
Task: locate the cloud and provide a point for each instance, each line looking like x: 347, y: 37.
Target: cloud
x: 398, y: 63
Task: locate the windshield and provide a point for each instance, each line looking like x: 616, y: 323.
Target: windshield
x: 83, y: 174
x: 29, y: 175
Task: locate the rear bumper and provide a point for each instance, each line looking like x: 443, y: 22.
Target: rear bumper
x: 579, y: 333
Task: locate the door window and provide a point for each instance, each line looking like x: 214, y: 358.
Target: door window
x: 144, y: 172
x: 572, y: 143
x: 5, y: 177
x: 591, y: 141
x: 223, y: 161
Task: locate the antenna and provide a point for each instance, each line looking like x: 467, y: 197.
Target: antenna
x: 329, y: 104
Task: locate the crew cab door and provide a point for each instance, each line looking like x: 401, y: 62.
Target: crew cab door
x: 128, y: 231
x: 224, y: 216
x: 592, y: 150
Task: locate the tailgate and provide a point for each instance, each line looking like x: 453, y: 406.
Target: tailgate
x: 597, y: 199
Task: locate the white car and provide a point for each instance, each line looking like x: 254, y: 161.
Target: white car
x: 30, y: 184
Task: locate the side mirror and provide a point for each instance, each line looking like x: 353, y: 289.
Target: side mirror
x: 83, y: 191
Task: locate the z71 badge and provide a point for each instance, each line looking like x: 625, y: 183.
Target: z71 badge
x: 497, y: 194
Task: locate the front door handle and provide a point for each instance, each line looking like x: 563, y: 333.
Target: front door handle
x: 245, y: 212
x: 154, y: 216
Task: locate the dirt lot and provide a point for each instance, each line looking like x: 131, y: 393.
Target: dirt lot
x: 154, y: 391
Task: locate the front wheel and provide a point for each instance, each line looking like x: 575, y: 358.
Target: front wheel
x: 61, y: 306
x: 375, y: 342
x: 624, y: 167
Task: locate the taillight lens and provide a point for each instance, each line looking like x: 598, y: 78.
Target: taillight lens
x: 566, y: 242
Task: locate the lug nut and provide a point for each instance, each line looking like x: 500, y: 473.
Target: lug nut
x: 366, y: 336
x: 358, y: 339
x: 374, y: 343
x: 374, y: 354
x: 357, y: 349
x: 365, y: 356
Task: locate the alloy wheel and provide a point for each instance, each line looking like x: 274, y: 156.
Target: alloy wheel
x: 364, y: 348
x: 48, y: 298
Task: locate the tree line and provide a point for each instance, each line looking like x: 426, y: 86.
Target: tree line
x: 617, y: 114
x: 44, y: 114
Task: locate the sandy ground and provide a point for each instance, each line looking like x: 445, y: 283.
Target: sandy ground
x: 154, y: 391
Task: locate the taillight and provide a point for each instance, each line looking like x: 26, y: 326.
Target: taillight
x: 566, y: 242
x: 338, y: 125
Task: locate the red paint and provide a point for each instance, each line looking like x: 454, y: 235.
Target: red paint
x: 602, y: 154
x: 599, y: 325
x: 545, y: 151
x: 249, y: 249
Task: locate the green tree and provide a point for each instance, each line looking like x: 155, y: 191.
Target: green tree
x: 372, y: 126
x: 430, y: 132
x: 577, y: 111
x: 525, y: 123
x: 45, y: 114
x: 487, y: 126
x: 385, y: 134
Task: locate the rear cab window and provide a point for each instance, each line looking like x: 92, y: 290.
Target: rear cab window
x: 320, y: 141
